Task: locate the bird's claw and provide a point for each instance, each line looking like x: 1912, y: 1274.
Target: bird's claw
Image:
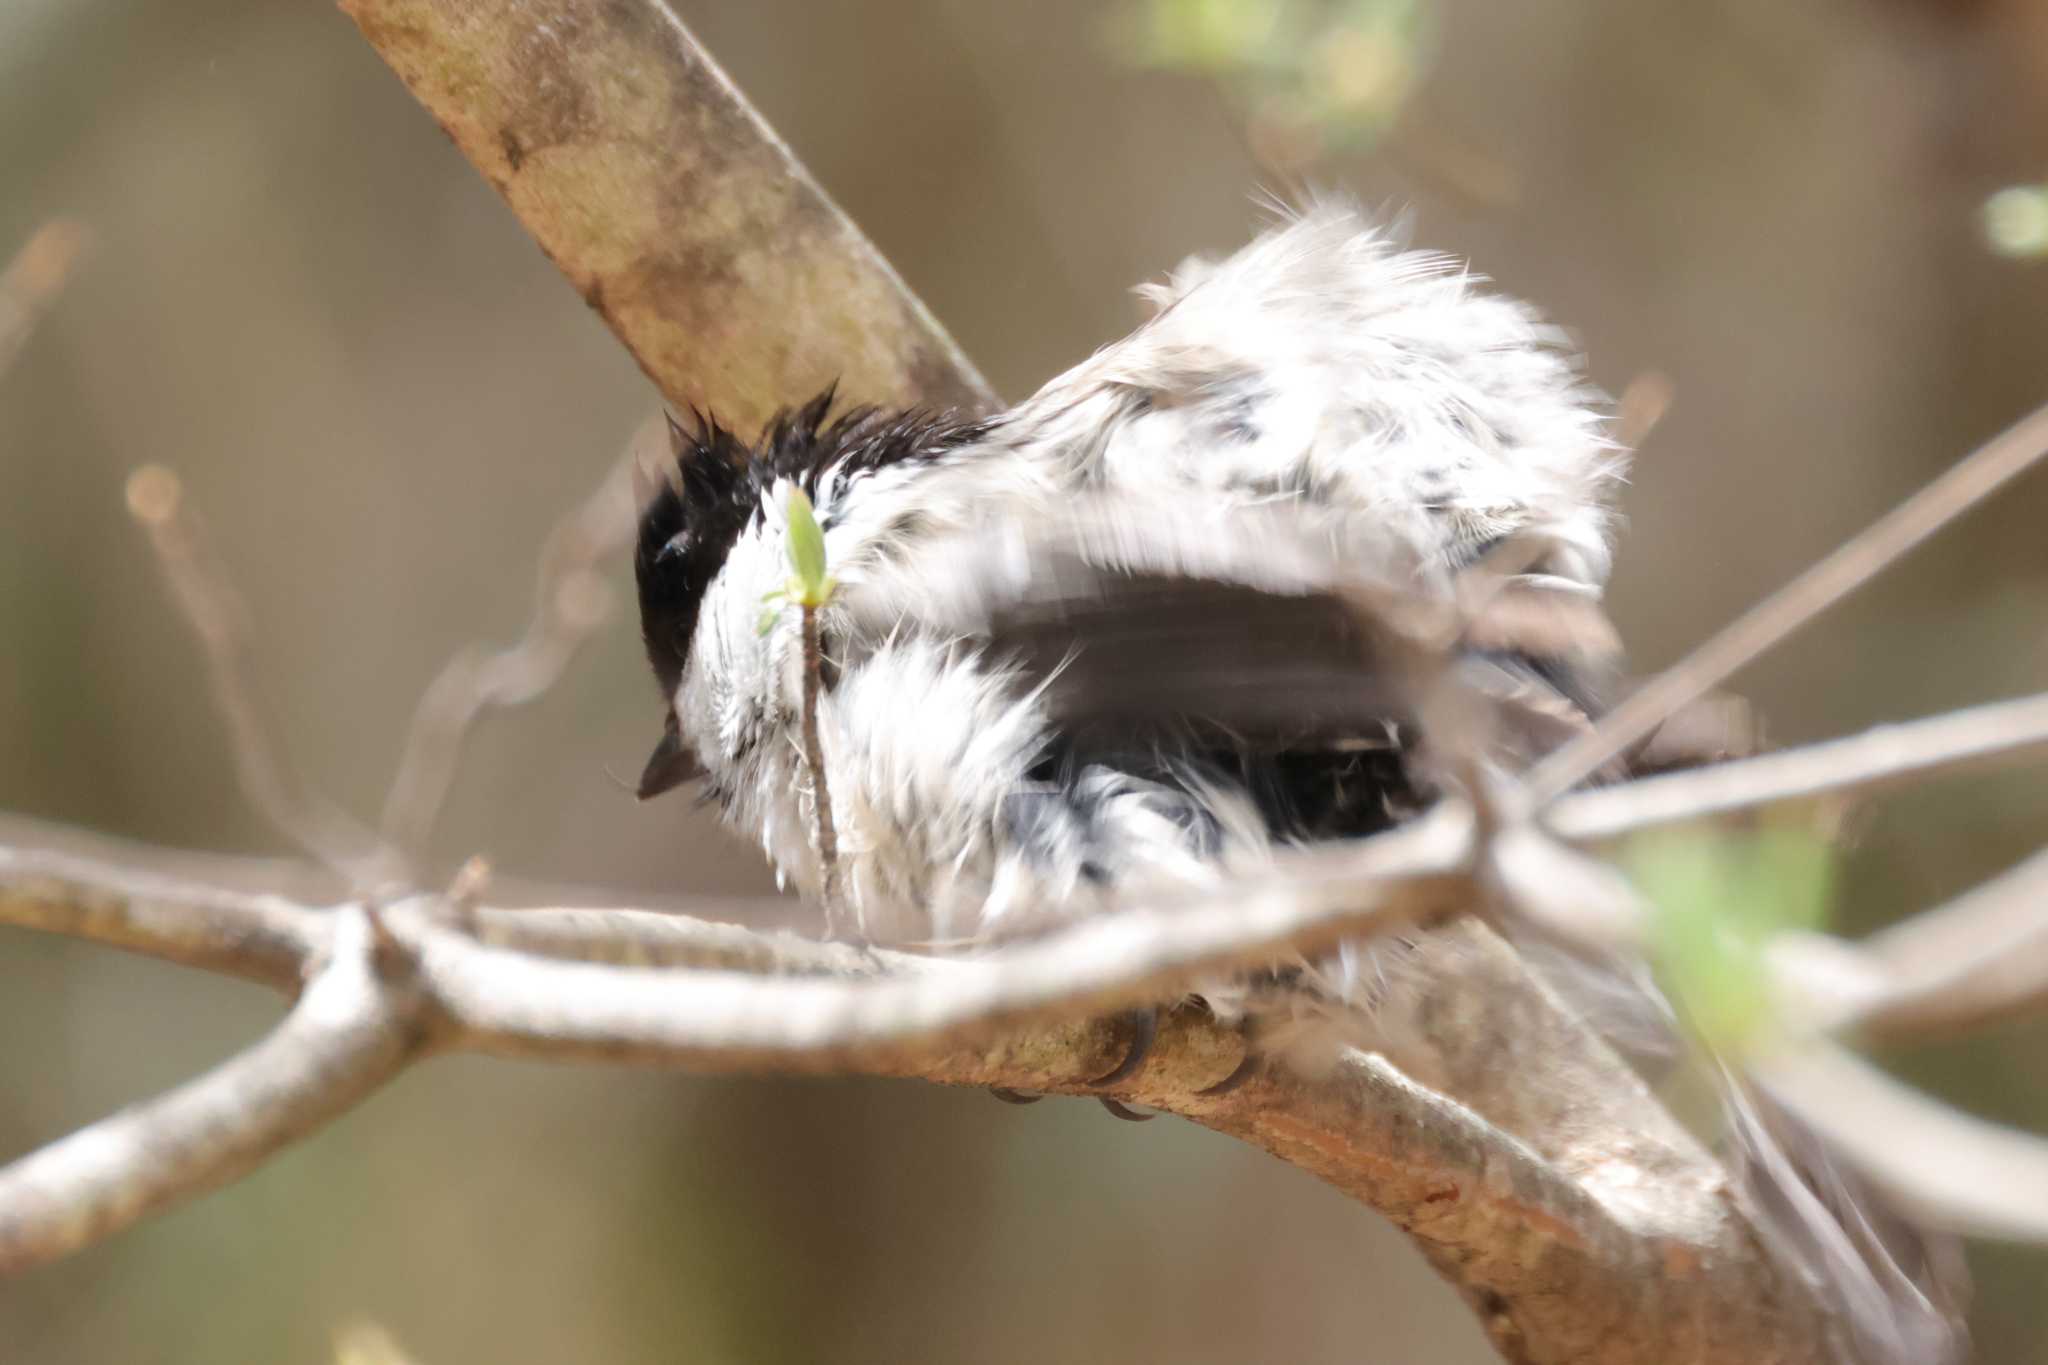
x: 1118, y: 1109
x: 1144, y: 1030
x: 1246, y: 1069
x: 1144, y: 1027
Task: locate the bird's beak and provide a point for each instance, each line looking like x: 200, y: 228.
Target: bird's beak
x: 671, y: 765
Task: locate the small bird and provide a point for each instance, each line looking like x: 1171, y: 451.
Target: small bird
x: 1322, y: 539
x: 1156, y: 620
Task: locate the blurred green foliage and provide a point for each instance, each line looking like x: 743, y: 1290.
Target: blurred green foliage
x: 2016, y: 221
x: 1311, y: 76
x: 1717, y: 899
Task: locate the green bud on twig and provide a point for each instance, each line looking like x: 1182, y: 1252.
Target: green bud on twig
x: 809, y: 584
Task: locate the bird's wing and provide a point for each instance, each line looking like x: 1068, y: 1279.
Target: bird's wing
x: 1272, y: 623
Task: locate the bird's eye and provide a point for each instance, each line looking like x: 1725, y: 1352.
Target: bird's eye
x: 678, y: 545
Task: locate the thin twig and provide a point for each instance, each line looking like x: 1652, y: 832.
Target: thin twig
x: 571, y: 602
x: 31, y: 281
x: 2006, y: 731
x: 646, y: 938
x: 1139, y: 955
x: 1980, y: 958
x: 1946, y: 1168
x: 1644, y: 401
x: 346, y: 1036
x: 814, y: 759
x: 1968, y: 483
x: 215, y: 611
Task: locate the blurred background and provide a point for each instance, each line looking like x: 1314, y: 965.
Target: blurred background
x: 1812, y: 224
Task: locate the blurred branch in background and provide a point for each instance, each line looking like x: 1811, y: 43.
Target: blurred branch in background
x: 218, y: 617
x: 571, y: 602
x: 1578, y: 1219
x: 31, y: 281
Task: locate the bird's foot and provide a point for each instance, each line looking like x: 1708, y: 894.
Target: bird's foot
x: 1246, y: 1068
x: 1144, y: 1028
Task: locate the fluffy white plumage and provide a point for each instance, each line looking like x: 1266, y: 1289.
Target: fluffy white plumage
x: 1320, y: 366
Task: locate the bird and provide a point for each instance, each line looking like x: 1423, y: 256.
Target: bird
x: 1112, y: 637
x: 1323, y: 539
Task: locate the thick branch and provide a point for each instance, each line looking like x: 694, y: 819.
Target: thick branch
x: 346, y: 1036
x: 1572, y: 1245
x: 677, y: 213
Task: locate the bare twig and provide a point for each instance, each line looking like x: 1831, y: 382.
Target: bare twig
x: 1981, y: 958
x: 1949, y: 1169
x: 1100, y: 966
x: 31, y: 281
x: 571, y: 602
x: 814, y: 759
x: 2006, y: 731
x: 264, y: 938
x: 1969, y: 482
x: 156, y: 500
x: 347, y: 1035
x: 814, y: 996
x: 1642, y: 405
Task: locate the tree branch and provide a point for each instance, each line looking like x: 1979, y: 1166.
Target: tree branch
x: 258, y: 937
x: 1858, y: 560
x: 1997, y: 732
x: 1554, y: 1264
x: 1521, y: 1063
x: 571, y: 601
x: 346, y: 1036
x: 675, y: 211
x: 1980, y: 959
